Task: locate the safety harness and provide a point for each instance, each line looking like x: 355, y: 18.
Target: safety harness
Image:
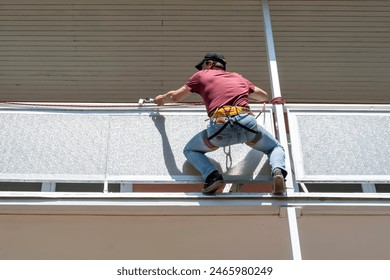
x: 224, y: 115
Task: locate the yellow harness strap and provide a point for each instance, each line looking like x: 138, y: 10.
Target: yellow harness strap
x: 229, y: 111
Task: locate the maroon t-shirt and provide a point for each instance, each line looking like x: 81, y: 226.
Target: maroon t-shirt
x: 218, y: 88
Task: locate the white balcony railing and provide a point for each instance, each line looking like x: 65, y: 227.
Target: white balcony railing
x: 126, y: 144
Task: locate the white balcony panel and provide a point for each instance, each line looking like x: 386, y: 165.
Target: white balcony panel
x: 135, y: 145
x: 340, y: 143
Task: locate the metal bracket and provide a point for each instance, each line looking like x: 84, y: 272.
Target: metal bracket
x: 283, y: 212
x: 126, y: 187
x: 146, y: 100
x: 48, y: 187
x: 233, y: 187
x: 368, y: 188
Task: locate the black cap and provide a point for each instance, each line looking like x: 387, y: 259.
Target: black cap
x: 214, y: 57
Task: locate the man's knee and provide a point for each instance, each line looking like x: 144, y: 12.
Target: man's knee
x: 187, y: 148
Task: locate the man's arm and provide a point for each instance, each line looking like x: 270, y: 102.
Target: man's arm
x: 172, y: 96
x: 259, y: 95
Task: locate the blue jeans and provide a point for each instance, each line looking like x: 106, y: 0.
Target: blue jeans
x: 197, y: 147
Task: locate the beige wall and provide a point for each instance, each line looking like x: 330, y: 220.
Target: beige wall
x: 212, y: 235
x: 143, y: 237
x: 120, y: 51
x: 351, y: 237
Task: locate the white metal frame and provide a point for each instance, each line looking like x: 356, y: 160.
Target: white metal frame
x: 280, y: 126
x: 330, y: 109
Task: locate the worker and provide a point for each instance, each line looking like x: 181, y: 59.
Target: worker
x: 225, y: 95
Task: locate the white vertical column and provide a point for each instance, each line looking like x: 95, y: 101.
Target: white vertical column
x: 105, y: 187
x: 294, y: 234
x: 281, y: 128
x: 275, y: 87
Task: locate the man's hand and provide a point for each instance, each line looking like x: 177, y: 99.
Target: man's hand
x: 159, y: 100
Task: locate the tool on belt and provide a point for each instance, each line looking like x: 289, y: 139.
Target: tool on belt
x: 224, y: 115
x: 146, y: 100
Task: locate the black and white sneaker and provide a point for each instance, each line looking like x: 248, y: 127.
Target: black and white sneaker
x: 213, y: 183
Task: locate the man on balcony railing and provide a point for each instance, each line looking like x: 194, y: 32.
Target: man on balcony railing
x: 226, y: 95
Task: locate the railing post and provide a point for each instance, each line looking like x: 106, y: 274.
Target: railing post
x: 276, y: 92
x: 281, y: 127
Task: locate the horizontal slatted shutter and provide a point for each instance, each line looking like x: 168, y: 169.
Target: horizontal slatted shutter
x: 120, y: 51
x: 333, y: 51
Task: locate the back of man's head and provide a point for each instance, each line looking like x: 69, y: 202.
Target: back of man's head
x: 217, y: 58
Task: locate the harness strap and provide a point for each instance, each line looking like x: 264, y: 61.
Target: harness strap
x: 210, y: 145
x: 219, y: 130
x: 247, y: 128
x: 255, y: 140
x: 257, y: 137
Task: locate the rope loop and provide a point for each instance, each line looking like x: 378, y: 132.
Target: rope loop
x: 278, y: 100
x: 228, y: 153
